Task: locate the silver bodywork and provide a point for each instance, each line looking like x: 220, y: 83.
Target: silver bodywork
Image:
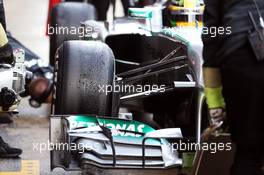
x: 190, y: 37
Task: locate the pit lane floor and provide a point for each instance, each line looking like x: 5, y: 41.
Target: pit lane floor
x: 29, y: 129
x: 26, y: 20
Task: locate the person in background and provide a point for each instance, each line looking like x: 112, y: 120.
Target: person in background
x: 234, y: 80
x: 100, y: 5
x: 6, y: 57
x: 103, y: 5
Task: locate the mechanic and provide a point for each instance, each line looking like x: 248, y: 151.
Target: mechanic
x: 103, y: 5
x: 100, y: 5
x: 6, y: 57
x: 234, y: 80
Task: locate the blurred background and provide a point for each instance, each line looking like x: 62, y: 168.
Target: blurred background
x: 26, y: 21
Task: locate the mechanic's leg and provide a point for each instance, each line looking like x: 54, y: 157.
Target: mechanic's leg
x: 143, y: 3
x: 101, y: 7
x: 6, y: 52
x: 247, y: 161
x: 8, y: 152
x: 74, y: 1
x: 2, y: 14
x: 243, y: 91
x: 246, y: 123
x: 5, y: 118
x: 125, y: 6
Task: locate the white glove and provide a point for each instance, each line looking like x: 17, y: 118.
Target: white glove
x: 217, y: 115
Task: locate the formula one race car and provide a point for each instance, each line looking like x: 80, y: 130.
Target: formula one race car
x: 125, y: 95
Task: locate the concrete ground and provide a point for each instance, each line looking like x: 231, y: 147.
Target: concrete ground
x: 26, y: 21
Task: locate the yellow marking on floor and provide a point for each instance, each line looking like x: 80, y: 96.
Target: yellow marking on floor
x: 28, y: 167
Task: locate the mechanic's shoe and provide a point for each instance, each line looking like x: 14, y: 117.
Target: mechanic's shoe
x: 8, y: 152
x: 6, y: 54
x: 5, y: 118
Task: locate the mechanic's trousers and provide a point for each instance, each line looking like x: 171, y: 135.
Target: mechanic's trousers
x: 103, y: 5
x: 100, y: 5
x: 2, y: 14
x: 243, y: 90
